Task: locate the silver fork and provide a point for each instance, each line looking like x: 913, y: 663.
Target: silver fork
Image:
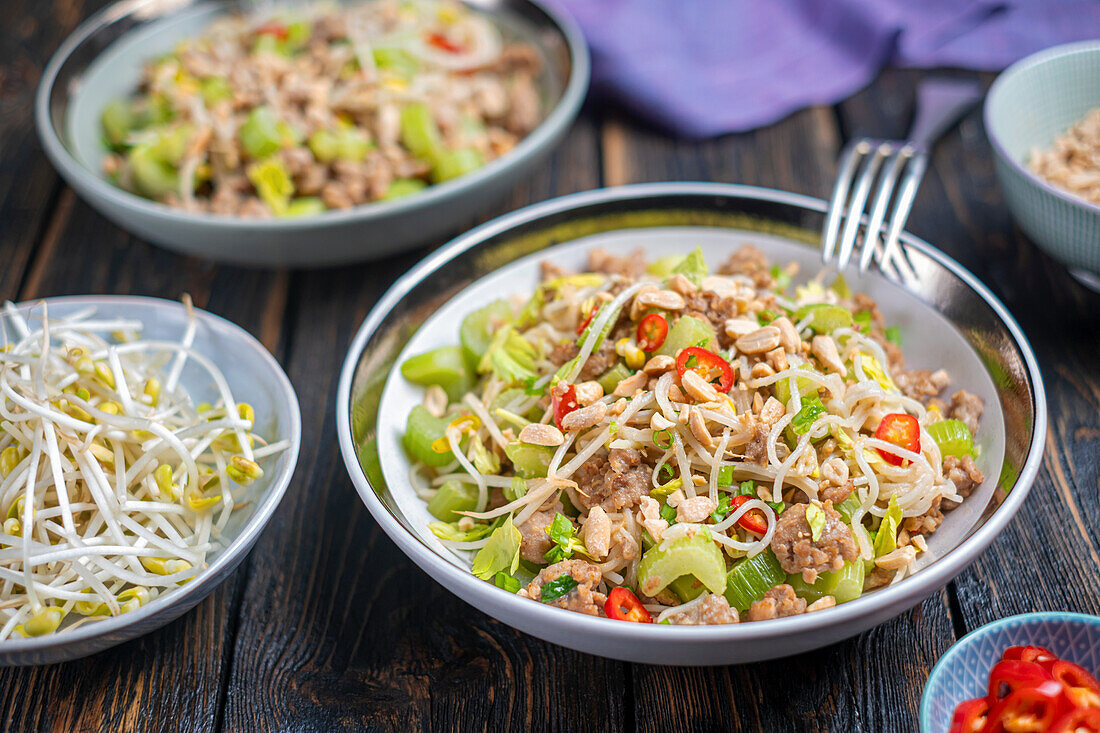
x: 865, y: 161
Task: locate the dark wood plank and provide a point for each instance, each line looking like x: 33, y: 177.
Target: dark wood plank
x: 872, y: 682
x: 1049, y: 556
x: 339, y: 631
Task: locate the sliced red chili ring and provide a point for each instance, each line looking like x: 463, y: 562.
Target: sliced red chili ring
x: 652, y: 331
x: 443, y: 43
x: 753, y: 520
x: 1029, y: 653
x: 707, y: 365
x: 565, y: 401
x: 1081, y: 719
x: 1008, y: 676
x: 1072, y: 675
x: 970, y: 716
x: 273, y: 28
x: 1036, y: 707
x: 623, y: 605
x: 903, y: 431
x: 587, y: 319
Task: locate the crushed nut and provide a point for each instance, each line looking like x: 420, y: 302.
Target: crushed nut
x: 588, y: 392
x: 539, y: 434
x: 759, y: 341
x: 585, y: 417
x: 700, y: 389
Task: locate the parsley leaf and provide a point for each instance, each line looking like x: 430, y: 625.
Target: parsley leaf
x: 564, y: 537
x: 557, y: 588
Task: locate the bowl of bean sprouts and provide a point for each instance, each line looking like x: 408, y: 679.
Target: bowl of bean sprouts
x: 429, y: 498
x: 145, y: 443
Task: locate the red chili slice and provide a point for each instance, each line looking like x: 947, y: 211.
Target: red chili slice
x: 1028, y: 709
x: 903, y: 431
x: 707, y: 365
x: 1076, y: 678
x: 273, y: 28
x: 652, y: 331
x: 1029, y: 653
x: 565, y: 401
x: 1082, y: 719
x: 587, y: 320
x: 753, y: 520
x: 970, y: 716
x: 623, y: 605
x: 443, y: 43
x: 1009, y: 676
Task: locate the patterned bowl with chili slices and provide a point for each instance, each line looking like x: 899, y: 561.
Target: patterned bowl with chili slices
x: 962, y: 673
x: 102, y: 60
x: 948, y: 317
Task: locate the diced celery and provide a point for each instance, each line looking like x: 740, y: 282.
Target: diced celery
x: 171, y: 144
x: 272, y: 182
x: 952, y: 436
x: 443, y: 366
x: 530, y: 461
x: 687, y: 588
x: 325, y: 145
x: 260, y: 134
x: 693, y: 266
x: 304, y: 206
x: 453, y: 497
x: 843, y: 585
x: 688, y: 331
x: 402, y: 187
x: 266, y: 43
x: 421, y: 430
x: 751, y: 578
x: 214, y: 89
x: 500, y: 554
x: 694, y: 554
x: 353, y: 144
x: 153, y: 177
x: 663, y: 266
x: 117, y: 119
x: 848, y: 507
x: 477, y: 329
x: 397, y: 60
x: 297, y: 35
x: 419, y: 132
x: 611, y: 378
x: 886, y: 539
x: 455, y: 163
x: 510, y: 357
x: 806, y: 387
x: 826, y: 318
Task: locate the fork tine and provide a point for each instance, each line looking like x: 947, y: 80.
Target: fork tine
x: 859, y: 199
x: 878, y: 210
x: 909, y: 184
x: 849, y: 159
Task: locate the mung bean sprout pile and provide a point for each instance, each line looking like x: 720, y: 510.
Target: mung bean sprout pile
x: 660, y: 443
x: 116, y: 486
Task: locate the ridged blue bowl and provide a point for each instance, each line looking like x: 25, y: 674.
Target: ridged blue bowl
x: 1031, y: 103
x: 963, y: 672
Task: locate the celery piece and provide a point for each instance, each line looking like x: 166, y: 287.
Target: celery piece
x: 260, y: 134
x: 823, y: 586
x: 806, y: 387
x: 117, y: 119
x: 694, y: 554
x: 952, y: 436
x: 751, y: 578
x: 848, y: 507
x: 693, y: 266
x: 266, y: 43
x: 443, y: 366
x: 154, y: 110
x: 611, y: 378
x: 500, y: 554
x: 825, y: 318
x: 455, y: 163
x: 664, y: 266
x: 419, y: 132
x: 171, y: 144
x: 530, y: 461
x: 886, y: 539
x: 214, y: 89
x: 687, y: 588
x: 477, y: 329
x: 272, y: 182
x: 453, y: 497
x: 688, y: 331
x: 297, y: 35
x: 153, y: 177
x: 397, y: 60
x: 893, y: 335
x: 325, y: 145
x: 401, y: 187
x: 510, y: 357
x: 450, y: 531
x: 421, y: 430
x: 304, y: 206
x: 812, y: 408
x: 849, y: 584
x: 353, y: 145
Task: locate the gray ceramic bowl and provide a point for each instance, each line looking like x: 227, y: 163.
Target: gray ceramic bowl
x: 1031, y: 103
x: 101, y: 61
x: 254, y: 377
x: 947, y: 315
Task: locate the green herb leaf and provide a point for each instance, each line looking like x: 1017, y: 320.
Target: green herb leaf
x: 812, y: 409
x: 501, y: 552
x: 722, y: 510
x: 815, y: 517
x: 782, y: 278
x: 893, y: 335
x: 694, y: 266
x: 564, y: 537
x: 748, y: 488
x: 725, y: 476
x: 516, y: 490
x: 557, y: 588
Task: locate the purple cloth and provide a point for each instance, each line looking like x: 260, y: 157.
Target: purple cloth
x: 705, y: 67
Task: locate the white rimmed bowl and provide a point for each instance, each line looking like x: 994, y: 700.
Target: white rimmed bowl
x: 102, y: 59
x: 967, y: 329
x: 254, y: 377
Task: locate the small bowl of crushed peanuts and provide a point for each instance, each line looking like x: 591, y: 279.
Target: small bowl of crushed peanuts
x: 1042, y: 116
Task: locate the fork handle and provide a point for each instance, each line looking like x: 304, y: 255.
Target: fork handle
x: 940, y: 103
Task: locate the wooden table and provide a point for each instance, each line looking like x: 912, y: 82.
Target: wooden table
x: 327, y: 626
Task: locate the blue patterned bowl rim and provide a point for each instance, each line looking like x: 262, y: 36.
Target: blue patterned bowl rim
x: 1005, y: 78
x: 1017, y: 621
